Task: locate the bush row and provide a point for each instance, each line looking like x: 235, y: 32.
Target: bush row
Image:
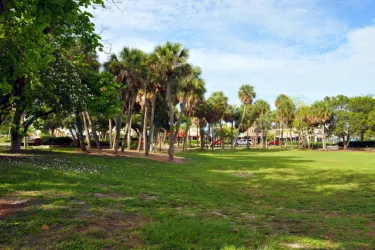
x: 359, y: 144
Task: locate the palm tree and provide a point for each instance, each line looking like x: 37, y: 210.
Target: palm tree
x: 246, y: 94
x: 261, y: 108
x: 172, y: 57
x: 201, y: 112
x: 321, y: 116
x: 197, y: 90
x: 219, y: 104
x: 230, y: 116
x: 188, y: 78
x: 285, y: 112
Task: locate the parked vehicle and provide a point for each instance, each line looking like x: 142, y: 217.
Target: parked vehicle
x: 243, y: 142
x: 218, y: 142
x: 275, y: 143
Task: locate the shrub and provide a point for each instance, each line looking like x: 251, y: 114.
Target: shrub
x: 359, y: 144
x: 61, y: 141
x: 37, y: 142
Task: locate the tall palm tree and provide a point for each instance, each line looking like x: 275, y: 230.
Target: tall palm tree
x: 219, y: 103
x: 246, y: 94
x: 172, y: 57
x: 230, y: 116
x: 261, y: 107
x: 195, y: 97
x: 321, y: 116
x: 285, y: 112
x: 189, y: 76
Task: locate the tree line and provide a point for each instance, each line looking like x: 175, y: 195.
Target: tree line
x: 51, y: 78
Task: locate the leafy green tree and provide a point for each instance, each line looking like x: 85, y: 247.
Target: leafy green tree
x: 285, y: 114
x: 30, y: 34
x: 219, y: 104
x: 230, y: 116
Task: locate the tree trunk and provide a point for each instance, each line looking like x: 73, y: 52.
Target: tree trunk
x: 140, y: 132
x: 16, y: 130
x: 96, y: 138
x: 238, y: 132
x: 128, y: 128
x: 291, y: 138
x: 88, y: 138
x: 231, y: 136
x: 80, y: 131
x: 182, y: 108
x: 129, y: 135
x: 110, y: 133
x: 324, y: 138
x: 222, y: 135
x: 117, y: 134
x: 281, y: 136
x: 171, y: 121
x: 184, y: 145
x: 152, y: 141
x: 201, y: 133
x: 145, y: 139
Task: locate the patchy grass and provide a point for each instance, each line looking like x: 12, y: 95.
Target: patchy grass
x: 222, y: 200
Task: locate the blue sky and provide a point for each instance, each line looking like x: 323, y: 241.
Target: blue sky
x: 306, y: 49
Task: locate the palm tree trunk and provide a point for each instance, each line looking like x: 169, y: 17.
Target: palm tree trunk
x: 231, y: 136
x: 96, y: 138
x: 291, y: 138
x: 80, y: 131
x: 238, y: 132
x: 140, y: 131
x: 110, y: 132
x: 184, y: 146
x: 152, y: 141
x: 247, y: 139
x: 222, y: 134
x: 128, y: 120
x: 281, y: 136
x: 145, y: 144
x: 201, y: 133
x: 182, y: 107
x: 85, y: 123
x: 129, y: 135
x: 117, y: 134
x: 171, y: 121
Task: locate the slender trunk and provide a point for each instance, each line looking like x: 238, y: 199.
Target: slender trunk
x: 117, y: 134
x: 184, y: 145
x: 222, y: 135
x: 201, y: 133
x: 152, y: 141
x: 129, y: 135
x: 145, y: 139
x: 324, y: 138
x: 171, y: 121
x: 140, y: 131
x: 182, y: 108
x: 238, y: 132
x: 291, y: 138
x: 96, y: 138
x: 231, y: 136
x: 110, y: 132
x: 281, y: 136
x: 80, y: 131
x: 85, y: 123
x: 128, y: 125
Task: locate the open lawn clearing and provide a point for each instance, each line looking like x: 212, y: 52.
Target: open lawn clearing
x: 250, y: 199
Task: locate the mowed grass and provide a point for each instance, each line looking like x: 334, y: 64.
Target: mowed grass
x: 243, y: 200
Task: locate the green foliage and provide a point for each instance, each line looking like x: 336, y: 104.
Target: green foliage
x: 61, y: 141
x: 359, y: 144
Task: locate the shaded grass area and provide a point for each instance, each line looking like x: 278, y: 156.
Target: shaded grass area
x: 243, y: 200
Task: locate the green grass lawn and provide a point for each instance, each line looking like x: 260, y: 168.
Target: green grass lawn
x: 243, y: 200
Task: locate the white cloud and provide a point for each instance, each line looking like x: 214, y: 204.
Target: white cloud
x: 279, y: 46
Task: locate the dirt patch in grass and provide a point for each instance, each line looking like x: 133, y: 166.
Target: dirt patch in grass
x: 10, y: 206
x: 243, y: 174
x: 152, y: 156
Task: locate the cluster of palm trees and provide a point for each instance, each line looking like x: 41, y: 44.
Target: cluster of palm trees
x: 166, y: 73
x: 144, y: 76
